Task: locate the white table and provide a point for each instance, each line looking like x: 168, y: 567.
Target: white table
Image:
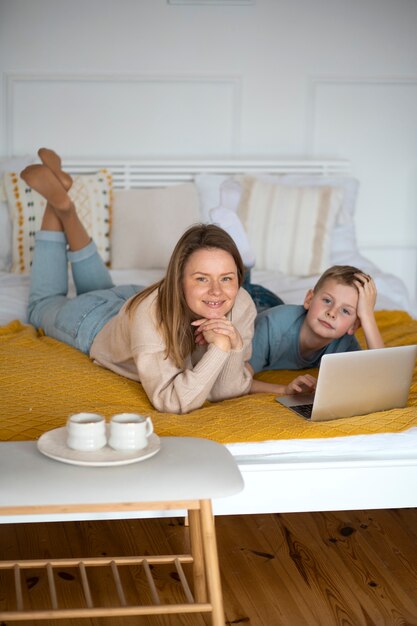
x: 184, y: 475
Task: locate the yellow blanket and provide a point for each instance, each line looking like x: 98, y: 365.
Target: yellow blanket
x: 43, y: 381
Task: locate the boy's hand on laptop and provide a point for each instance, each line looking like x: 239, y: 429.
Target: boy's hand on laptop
x: 302, y: 384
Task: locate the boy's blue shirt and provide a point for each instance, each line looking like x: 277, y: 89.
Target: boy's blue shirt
x: 276, y: 340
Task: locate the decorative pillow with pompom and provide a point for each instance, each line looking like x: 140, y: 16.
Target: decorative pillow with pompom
x: 91, y: 194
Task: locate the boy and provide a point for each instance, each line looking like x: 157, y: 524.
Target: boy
x: 296, y: 336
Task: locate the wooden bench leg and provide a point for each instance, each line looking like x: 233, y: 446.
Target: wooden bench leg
x: 212, y: 562
x: 199, y: 575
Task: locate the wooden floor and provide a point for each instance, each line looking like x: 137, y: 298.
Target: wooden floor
x: 344, y: 568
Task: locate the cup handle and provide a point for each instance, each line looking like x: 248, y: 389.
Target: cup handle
x: 149, y: 426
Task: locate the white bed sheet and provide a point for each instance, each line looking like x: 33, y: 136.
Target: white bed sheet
x: 393, y: 445
x: 14, y: 289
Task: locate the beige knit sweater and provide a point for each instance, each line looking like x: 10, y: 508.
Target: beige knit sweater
x: 133, y: 347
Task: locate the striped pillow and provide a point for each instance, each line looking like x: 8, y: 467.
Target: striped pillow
x: 91, y: 194
x: 288, y: 226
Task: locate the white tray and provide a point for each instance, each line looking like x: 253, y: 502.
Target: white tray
x: 54, y: 444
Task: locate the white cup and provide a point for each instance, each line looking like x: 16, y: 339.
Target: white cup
x: 86, y: 432
x: 129, y: 431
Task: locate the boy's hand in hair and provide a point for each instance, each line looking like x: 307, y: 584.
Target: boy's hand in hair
x: 367, y: 295
x: 365, y: 311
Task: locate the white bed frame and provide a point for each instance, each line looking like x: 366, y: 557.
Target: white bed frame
x: 153, y: 173
x: 273, y: 484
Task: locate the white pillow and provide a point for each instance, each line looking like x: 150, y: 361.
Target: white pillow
x: 208, y: 187
x: 92, y: 195
x: 16, y: 164
x: 147, y: 224
x: 289, y: 227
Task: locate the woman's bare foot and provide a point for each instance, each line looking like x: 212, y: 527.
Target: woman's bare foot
x: 43, y: 180
x: 52, y: 160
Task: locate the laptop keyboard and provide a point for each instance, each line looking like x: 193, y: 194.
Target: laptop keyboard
x: 304, y: 410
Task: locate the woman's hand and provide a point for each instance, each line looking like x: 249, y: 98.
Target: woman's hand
x: 220, y: 332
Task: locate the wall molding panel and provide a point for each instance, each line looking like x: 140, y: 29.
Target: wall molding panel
x: 154, y: 115
x: 372, y: 122
x: 318, y: 84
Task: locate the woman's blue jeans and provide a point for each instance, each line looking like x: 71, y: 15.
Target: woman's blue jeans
x: 75, y: 321
x: 263, y: 298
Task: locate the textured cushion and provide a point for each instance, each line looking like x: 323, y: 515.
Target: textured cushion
x: 92, y: 195
x: 344, y: 247
x: 147, y: 224
x: 289, y: 227
x: 15, y: 164
x: 343, y: 244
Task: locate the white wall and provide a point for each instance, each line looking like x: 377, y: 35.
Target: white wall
x: 140, y: 78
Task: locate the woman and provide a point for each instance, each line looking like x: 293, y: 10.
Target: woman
x: 185, y: 338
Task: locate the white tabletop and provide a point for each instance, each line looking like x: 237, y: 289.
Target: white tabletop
x: 185, y: 468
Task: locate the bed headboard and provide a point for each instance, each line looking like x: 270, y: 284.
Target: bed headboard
x: 130, y: 174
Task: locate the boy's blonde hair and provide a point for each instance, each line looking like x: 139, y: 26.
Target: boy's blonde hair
x: 344, y: 274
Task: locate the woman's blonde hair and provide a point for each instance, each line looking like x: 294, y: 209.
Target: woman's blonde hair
x: 173, y: 314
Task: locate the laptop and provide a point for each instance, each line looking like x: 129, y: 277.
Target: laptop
x: 357, y: 383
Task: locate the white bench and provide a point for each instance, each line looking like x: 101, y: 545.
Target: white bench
x: 183, y: 476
